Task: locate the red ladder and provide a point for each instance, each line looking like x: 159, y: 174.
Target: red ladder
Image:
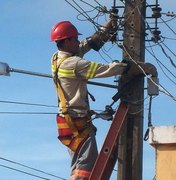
x: 108, y: 155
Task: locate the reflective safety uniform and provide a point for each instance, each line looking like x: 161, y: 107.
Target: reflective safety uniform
x: 70, y: 74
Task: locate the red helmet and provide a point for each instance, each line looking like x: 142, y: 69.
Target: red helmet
x: 63, y: 30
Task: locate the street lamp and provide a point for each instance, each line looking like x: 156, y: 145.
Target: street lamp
x: 4, y: 69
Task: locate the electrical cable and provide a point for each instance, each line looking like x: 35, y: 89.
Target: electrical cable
x: 26, y: 103
x: 168, y: 26
x: 174, y: 39
x: 83, y: 13
x: 162, y: 89
x: 159, y: 45
x: 31, y: 168
x: 24, y: 172
x: 169, y: 50
x: 99, y: 4
x: 145, y: 21
x: 160, y: 63
x: 88, y: 4
x: 161, y: 22
x: 27, y: 113
x: 171, y: 61
x: 163, y: 43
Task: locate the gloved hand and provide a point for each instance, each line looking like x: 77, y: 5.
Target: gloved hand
x: 134, y: 69
x: 108, y: 24
x: 103, y: 35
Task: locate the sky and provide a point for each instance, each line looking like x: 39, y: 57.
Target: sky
x: 31, y: 139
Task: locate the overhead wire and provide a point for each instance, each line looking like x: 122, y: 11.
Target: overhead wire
x: 88, y: 4
x: 24, y: 172
x: 83, y: 13
x: 160, y: 44
x: 26, y: 103
x: 87, y: 12
x: 27, y: 113
x: 31, y: 168
x: 162, y: 89
x: 169, y: 49
x: 168, y: 26
x: 161, y: 64
x: 100, y: 5
x: 174, y: 39
x: 165, y: 21
x: 171, y: 61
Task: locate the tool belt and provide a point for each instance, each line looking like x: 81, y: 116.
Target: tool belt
x: 73, y: 140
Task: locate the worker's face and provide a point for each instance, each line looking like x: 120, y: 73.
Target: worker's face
x: 73, y: 45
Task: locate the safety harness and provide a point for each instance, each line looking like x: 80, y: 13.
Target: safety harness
x: 72, y: 131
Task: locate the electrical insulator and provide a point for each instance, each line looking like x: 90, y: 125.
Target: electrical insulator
x: 156, y: 12
x: 114, y: 18
x: 156, y: 36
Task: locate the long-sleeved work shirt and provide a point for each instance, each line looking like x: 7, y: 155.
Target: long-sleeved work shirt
x: 75, y: 71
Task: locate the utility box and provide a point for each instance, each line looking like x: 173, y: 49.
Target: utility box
x: 163, y: 139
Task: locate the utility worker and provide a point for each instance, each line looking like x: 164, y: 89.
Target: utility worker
x: 70, y: 74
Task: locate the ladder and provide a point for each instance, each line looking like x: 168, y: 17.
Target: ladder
x: 108, y: 155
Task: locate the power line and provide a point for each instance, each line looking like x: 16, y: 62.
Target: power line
x: 26, y: 103
x: 168, y: 38
x: 24, y: 172
x: 162, y: 89
x: 168, y: 26
x: 83, y: 13
x: 31, y: 113
x: 164, y: 52
x: 160, y: 63
x: 167, y: 56
x: 5, y: 159
x: 169, y: 49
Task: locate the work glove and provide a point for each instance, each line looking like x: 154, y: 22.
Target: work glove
x: 110, y: 26
x: 137, y: 68
x: 102, y: 35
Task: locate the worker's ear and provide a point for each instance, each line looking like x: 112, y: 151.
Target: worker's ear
x: 66, y: 43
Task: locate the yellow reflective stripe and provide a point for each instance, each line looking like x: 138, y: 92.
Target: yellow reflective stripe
x: 53, y: 68
x: 62, y: 126
x: 91, y: 71
x: 66, y: 142
x: 66, y: 72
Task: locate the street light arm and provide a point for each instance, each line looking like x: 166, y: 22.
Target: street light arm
x: 5, y: 70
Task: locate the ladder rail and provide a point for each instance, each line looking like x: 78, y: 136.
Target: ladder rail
x: 108, y: 155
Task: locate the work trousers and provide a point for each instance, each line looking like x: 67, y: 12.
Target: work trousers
x: 83, y: 161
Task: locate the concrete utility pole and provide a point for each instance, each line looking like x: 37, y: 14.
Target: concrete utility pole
x: 130, y: 148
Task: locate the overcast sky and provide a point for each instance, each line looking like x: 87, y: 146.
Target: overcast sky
x: 25, y: 44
